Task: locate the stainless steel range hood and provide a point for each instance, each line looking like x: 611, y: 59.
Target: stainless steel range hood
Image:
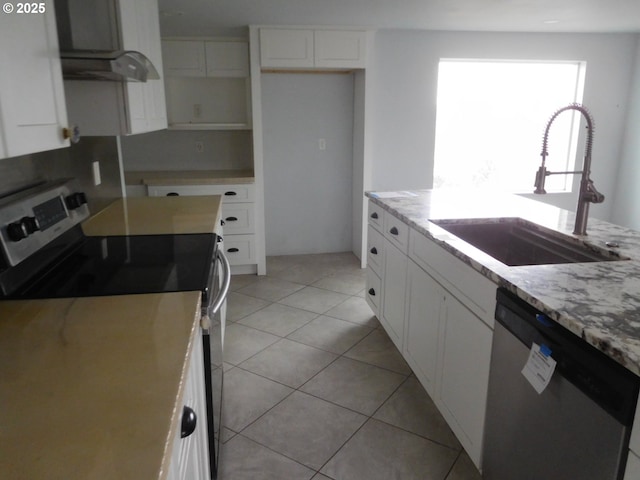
x: 118, y: 65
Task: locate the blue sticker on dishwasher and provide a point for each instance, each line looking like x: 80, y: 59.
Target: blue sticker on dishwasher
x: 543, y: 319
x: 546, y: 351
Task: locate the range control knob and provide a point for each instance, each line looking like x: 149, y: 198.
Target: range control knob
x: 22, y: 228
x: 75, y: 200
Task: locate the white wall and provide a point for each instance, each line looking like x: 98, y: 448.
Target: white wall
x: 176, y: 150
x: 626, y: 200
x: 308, y: 200
x: 405, y: 69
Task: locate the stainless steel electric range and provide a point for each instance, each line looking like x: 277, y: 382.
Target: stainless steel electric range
x: 46, y: 255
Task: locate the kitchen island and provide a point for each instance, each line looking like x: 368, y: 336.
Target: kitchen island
x: 435, y: 294
x: 599, y: 301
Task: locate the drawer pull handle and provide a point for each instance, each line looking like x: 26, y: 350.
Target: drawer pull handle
x: 372, y: 292
x: 173, y: 194
x: 230, y: 194
x: 374, y: 215
x: 233, y: 250
x: 189, y: 421
x: 393, y: 231
x: 231, y: 219
x: 374, y: 250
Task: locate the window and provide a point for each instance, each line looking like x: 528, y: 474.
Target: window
x: 490, y: 121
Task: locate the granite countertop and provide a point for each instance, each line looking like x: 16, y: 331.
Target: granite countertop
x: 189, y: 177
x: 92, y: 388
x: 157, y: 216
x: 598, y: 301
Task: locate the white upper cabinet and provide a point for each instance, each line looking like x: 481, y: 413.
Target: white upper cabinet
x: 116, y: 108
x: 210, y: 58
x: 339, y: 48
x: 227, y: 59
x: 32, y: 107
x: 312, y: 48
x: 184, y: 58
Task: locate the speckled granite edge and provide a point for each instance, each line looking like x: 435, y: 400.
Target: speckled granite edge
x: 599, y: 301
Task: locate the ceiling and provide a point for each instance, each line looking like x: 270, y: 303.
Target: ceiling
x: 230, y: 17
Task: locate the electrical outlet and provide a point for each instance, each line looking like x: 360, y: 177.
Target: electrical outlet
x: 197, y: 110
x: 200, y: 147
x: 97, y: 180
x: 322, y: 144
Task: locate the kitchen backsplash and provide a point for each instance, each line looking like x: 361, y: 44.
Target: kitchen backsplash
x: 177, y: 150
x: 73, y: 162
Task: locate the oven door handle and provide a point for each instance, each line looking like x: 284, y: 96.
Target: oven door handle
x: 224, y: 287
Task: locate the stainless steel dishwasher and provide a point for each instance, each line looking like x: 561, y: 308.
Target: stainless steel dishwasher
x: 578, y: 427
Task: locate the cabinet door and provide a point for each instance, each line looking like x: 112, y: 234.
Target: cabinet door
x: 424, y: 299
x: 393, y: 290
x: 286, y: 48
x: 339, y: 48
x: 227, y: 59
x: 32, y: 104
x: 145, y: 102
x: 465, y: 353
x: 184, y: 58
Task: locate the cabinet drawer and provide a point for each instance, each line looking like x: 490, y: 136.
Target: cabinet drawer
x: 230, y: 193
x: 240, y: 249
x: 396, y: 231
x: 373, y: 291
x: 375, y: 250
x: 238, y: 218
x: 375, y: 215
x: 476, y: 291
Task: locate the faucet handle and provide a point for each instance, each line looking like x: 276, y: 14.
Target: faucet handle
x: 541, y: 176
x: 591, y: 194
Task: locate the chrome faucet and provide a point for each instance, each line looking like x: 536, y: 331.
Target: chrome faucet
x: 588, y: 193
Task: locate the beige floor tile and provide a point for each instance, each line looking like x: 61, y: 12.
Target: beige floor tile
x: 278, y: 319
x: 241, y: 281
x: 290, y: 363
x: 464, y: 469
x: 270, y: 288
x: 244, y: 459
x: 330, y: 334
x: 380, y: 452
x: 411, y: 408
x: 342, y: 283
x: 243, y: 342
x: 314, y: 299
x: 378, y: 349
x: 356, y: 310
x: 306, y: 429
x: 239, y: 306
x: 247, y: 396
x: 355, y: 385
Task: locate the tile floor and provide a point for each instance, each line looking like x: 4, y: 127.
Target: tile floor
x: 314, y: 388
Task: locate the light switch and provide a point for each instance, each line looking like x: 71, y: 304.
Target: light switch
x: 322, y: 144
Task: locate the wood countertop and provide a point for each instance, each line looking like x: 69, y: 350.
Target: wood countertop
x: 156, y: 216
x: 91, y: 388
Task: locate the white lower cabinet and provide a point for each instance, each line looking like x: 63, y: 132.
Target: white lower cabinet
x: 425, y: 297
x: 238, y: 214
x: 464, y: 359
x: 393, y: 291
x: 439, y: 313
x: 190, y: 455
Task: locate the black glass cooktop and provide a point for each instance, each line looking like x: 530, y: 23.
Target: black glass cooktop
x: 128, y: 265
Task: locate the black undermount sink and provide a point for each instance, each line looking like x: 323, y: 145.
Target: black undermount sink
x: 517, y: 242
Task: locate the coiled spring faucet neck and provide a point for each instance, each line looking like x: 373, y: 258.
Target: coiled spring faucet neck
x: 588, y: 193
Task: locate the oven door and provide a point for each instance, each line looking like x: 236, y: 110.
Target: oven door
x: 214, y: 319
